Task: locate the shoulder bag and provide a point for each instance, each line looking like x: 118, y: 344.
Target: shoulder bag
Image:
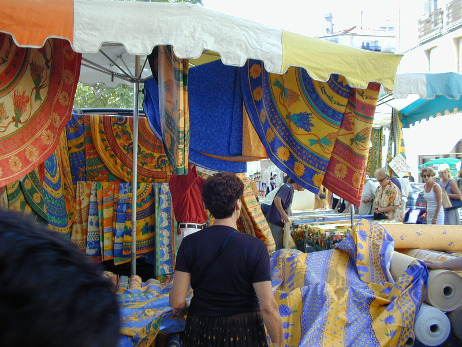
x: 215, y: 257
x: 445, y: 198
x: 455, y: 203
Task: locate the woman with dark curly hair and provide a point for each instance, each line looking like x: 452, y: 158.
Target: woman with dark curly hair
x: 230, y: 275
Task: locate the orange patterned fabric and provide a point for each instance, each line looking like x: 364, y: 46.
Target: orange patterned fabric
x: 37, y: 88
x: 113, y: 140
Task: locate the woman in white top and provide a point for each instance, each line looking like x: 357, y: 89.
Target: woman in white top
x: 432, y: 193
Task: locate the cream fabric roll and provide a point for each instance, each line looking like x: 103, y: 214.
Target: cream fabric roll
x: 436, y: 237
x: 444, y: 290
x: 432, y: 326
x: 456, y: 322
x: 399, y: 263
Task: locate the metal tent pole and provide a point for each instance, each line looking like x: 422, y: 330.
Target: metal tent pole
x: 136, y: 88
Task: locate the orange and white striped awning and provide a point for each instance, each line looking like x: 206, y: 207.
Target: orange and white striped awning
x: 195, y: 32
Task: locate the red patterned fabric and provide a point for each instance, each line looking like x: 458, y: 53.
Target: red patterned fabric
x: 345, y: 172
x: 37, y: 88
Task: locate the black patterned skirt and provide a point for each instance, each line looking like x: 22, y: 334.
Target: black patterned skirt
x: 239, y: 330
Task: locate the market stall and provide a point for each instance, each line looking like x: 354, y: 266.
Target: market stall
x: 342, y: 82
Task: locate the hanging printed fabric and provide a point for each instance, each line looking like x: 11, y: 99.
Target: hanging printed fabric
x: 75, y: 131
x: 80, y: 225
x: 54, y: 198
x: 3, y: 198
x: 145, y: 222
x: 252, y: 218
x: 172, y: 78
x: 32, y: 188
x: 346, y: 170
x: 66, y: 176
x: 296, y: 118
x: 120, y: 206
x: 93, y: 249
x: 37, y: 88
x: 395, y: 139
x: 110, y: 191
x: 113, y: 140
x: 95, y: 169
x: 374, y: 160
x: 16, y: 199
x: 165, y: 225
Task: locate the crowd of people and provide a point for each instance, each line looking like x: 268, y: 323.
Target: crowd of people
x: 46, y: 276
x: 386, y: 197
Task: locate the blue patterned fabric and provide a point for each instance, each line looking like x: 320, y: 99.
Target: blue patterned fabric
x: 346, y: 296
x: 53, y: 197
x: 215, y: 130
x: 75, y: 131
x: 146, y: 312
x: 296, y: 118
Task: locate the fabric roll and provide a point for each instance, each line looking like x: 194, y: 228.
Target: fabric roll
x: 444, y: 290
x: 456, y: 322
x: 426, y: 254
x: 432, y: 326
x: 435, y: 237
x: 399, y: 264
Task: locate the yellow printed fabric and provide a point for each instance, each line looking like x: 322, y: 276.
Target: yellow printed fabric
x: 174, y: 107
x: 256, y: 221
x: 296, y: 118
x: 346, y: 296
x: 113, y: 140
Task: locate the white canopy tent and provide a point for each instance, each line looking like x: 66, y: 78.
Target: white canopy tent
x: 115, y: 37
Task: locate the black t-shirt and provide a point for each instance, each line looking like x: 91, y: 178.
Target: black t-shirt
x: 227, y: 287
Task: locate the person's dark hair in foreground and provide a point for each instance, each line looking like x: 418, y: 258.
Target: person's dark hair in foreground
x: 221, y: 193
x: 50, y: 294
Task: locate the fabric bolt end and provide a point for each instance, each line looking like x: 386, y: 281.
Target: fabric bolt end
x: 432, y: 326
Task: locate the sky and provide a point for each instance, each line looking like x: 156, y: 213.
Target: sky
x: 307, y: 17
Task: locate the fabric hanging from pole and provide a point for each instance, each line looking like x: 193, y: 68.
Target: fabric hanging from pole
x: 346, y: 170
x: 113, y: 139
x: 165, y: 245
x: 54, y: 197
x: 374, y: 159
x: 36, y: 96
x: 296, y: 118
x: 172, y: 78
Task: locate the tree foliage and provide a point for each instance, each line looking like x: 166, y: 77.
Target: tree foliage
x: 99, y: 96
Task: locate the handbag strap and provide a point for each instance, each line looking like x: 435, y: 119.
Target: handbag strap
x: 215, y: 257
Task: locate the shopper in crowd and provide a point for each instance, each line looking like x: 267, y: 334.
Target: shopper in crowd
x: 432, y: 194
x: 50, y: 294
x: 387, y: 199
x: 229, y: 273
x: 454, y: 264
x: 367, y: 197
x: 321, y: 198
x: 406, y: 190
x: 459, y: 181
x: 278, y: 213
x: 265, y: 204
x: 451, y: 214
